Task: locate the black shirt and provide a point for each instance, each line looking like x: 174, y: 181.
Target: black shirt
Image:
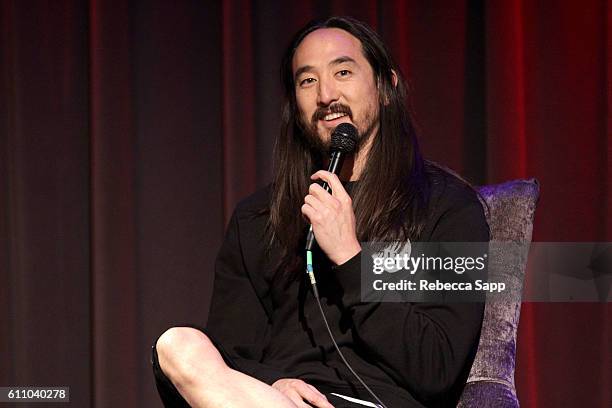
x: 410, y: 354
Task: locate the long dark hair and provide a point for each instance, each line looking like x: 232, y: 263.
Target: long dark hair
x: 390, y: 200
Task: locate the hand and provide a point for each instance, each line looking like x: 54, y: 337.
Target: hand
x: 298, y: 391
x: 332, y: 218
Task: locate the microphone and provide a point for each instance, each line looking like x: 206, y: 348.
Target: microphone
x: 343, y: 142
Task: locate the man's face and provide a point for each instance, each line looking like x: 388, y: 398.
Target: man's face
x: 334, y: 83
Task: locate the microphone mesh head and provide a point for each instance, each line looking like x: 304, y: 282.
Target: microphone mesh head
x: 344, y: 138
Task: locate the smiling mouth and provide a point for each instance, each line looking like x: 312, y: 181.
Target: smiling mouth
x: 333, y: 116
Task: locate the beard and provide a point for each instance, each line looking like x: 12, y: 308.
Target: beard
x: 322, y: 143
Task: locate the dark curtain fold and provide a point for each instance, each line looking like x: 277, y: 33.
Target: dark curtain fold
x: 114, y: 204
x: 44, y: 197
x: 129, y: 130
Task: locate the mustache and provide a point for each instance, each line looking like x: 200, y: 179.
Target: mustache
x: 321, y: 112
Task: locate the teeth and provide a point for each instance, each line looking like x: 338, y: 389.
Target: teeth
x: 333, y: 116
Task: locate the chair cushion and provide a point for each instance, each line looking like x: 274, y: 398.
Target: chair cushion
x: 510, y: 209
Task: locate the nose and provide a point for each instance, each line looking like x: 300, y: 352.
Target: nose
x: 328, y: 92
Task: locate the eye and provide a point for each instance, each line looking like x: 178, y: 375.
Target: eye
x: 343, y: 73
x: 307, y: 81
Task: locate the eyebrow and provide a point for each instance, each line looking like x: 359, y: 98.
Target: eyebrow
x: 337, y: 61
x: 341, y: 60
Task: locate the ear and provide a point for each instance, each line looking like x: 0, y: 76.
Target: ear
x: 394, y: 78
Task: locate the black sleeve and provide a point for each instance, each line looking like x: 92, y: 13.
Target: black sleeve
x: 238, y: 321
x: 427, y: 348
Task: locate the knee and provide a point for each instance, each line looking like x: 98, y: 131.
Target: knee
x: 179, y: 339
x: 178, y: 347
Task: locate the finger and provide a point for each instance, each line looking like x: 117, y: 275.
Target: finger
x: 319, y: 402
x: 333, y: 181
x: 312, y: 395
x: 296, y: 398
x: 314, y: 202
x: 312, y: 387
x: 323, y: 196
x: 310, y: 213
x: 323, y: 209
x: 324, y: 402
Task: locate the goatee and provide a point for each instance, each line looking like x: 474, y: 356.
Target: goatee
x: 319, y: 144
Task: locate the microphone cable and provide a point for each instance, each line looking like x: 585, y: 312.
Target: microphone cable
x: 313, y: 282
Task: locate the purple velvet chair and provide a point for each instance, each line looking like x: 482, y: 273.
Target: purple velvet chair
x: 510, y: 209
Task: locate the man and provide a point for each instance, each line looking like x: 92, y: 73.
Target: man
x: 266, y: 344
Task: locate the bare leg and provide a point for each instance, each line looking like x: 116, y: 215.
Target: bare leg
x: 197, y: 370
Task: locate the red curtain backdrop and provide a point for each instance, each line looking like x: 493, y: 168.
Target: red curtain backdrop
x: 129, y: 130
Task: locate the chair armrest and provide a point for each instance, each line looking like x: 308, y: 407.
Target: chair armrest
x: 485, y: 394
